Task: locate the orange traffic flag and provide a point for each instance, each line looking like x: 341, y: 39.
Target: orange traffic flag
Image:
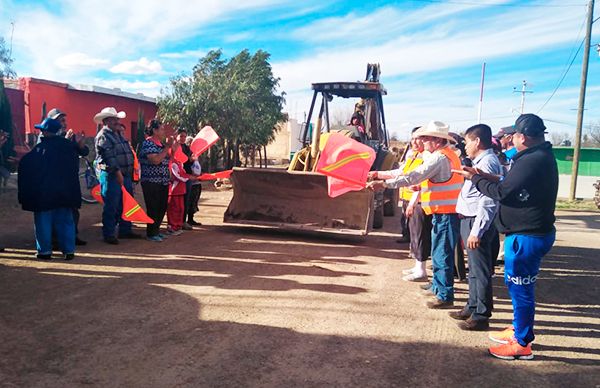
x: 180, y: 156
x: 132, y: 211
x: 346, y: 162
x: 96, y: 192
x: 203, y: 140
x: 216, y: 175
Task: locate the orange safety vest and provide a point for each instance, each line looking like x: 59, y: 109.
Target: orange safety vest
x: 440, y: 198
x: 136, y: 165
x: 410, y: 165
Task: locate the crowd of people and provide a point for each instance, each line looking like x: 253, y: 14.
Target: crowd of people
x: 457, y: 194
x: 169, y: 186
x: 462, y: 195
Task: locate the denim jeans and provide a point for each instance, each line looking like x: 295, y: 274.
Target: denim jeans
x: 61, y: 222
x: 522, y: 257
x: 113, y: 205
x: 444, y: 236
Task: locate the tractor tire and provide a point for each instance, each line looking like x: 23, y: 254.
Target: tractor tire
x: 390, y: 206
x: 378, y: 218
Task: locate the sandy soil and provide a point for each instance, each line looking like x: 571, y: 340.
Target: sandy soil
x: 226, y: 306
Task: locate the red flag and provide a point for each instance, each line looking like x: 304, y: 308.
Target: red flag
x: 216, y: 175
x: 203, y: 140
x: 179, y: 155
x: 132, y: 211
x: 346, y: 163
x: 96, y: 192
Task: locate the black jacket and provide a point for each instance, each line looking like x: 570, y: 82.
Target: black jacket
x: 49, y: 176
x: 527, y: 194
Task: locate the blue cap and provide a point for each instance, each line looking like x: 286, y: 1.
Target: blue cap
x: 49, y: 125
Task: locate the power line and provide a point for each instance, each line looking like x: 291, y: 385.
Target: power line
x: 502, y: 4
x: 567, y: 65
x: 562, y: 78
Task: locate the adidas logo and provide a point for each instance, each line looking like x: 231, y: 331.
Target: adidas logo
x: 520, y: 281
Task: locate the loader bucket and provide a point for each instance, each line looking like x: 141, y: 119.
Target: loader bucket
x: 296, y: 200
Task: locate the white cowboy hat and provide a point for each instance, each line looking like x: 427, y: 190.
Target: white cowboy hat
x: 108, y: 112
x: 435, y: 129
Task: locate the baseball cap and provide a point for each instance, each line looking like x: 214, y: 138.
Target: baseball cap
x: 530, y: 125
x: 55, y: 114
x: 505, y: 131
x: 49, y: 125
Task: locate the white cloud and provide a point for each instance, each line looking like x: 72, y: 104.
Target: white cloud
x: 139, y: 67
x: 437, y: 48
x: 77, y: 61
x: 242, y: 36
x: 148, y: 88
x: 419, y: 52
x: 134, y: 28
x: 184, y: 54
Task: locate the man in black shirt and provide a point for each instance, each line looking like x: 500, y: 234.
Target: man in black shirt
x: 527, y: 197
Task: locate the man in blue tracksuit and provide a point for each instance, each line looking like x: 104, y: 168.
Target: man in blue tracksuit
x: 527, y: 197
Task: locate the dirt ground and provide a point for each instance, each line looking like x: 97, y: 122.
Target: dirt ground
x: 226, y: 306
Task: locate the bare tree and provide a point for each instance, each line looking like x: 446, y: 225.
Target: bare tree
x: 560, y: 138
x: 593, y: 135
x: 340, y: 116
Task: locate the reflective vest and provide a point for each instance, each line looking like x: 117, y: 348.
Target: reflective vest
x: 136, y: 165
x: 440, y: 198
x: 410, y: 165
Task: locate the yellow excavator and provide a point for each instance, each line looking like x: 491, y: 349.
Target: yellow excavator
x: 296, y: 197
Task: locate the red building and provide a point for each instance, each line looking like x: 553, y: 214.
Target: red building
x: 79, y: 102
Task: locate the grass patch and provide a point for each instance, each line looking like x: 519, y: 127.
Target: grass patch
x: 580, y: 204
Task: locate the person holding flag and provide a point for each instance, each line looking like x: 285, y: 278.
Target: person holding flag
x: 195, y: 190
x: 115, y: 159
x: 176, y: 207
x: 419, y: 223
x: 155, y: 177
x: 439, y: 193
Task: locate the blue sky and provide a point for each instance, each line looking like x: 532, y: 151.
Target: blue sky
x: 430, y: 52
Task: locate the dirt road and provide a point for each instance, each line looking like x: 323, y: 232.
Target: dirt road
x: 222, y: 306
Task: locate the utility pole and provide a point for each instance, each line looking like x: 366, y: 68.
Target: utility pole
x: 11, y: 38
x: 481, y: 94
x: 523, y: 92
x: 584, y: 72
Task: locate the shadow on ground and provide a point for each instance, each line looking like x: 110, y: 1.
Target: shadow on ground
x: 137, y: 334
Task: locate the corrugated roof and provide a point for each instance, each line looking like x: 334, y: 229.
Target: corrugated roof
x: 14, y: 84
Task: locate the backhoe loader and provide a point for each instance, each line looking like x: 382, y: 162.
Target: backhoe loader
x: 296, y: 197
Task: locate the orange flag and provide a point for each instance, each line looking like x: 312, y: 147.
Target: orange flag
x: 346, y: 163
x: 203, y: 140
x: 132, y: 211
x: 96, y: 192
x: 216, y: 175
x: 180, y: 156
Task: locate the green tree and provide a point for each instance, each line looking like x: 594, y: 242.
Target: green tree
x: 6, y: 61
x: 6, y: 125
x: 238, y: 97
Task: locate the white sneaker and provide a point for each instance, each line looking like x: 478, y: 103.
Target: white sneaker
x: 414, y: 277
x: 187, y: 226
x: 174, y: 232
x: 408, y: 271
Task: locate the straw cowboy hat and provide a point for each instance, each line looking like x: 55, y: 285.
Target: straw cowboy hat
x: 108, y: 112
x: 435, y: 129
